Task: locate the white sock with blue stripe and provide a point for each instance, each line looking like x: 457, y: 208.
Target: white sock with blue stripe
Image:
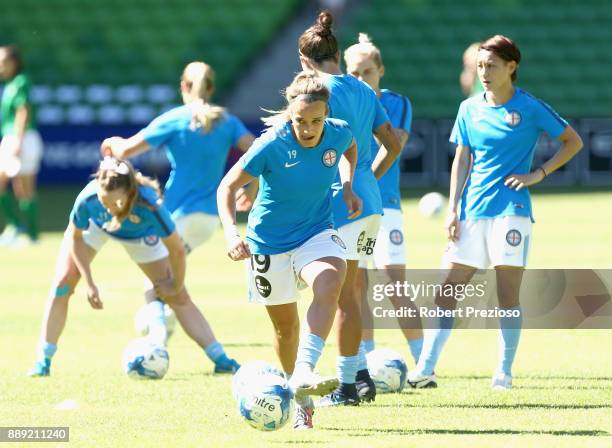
x: 309, y: 351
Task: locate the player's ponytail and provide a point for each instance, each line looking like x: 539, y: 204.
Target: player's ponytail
x: 116, y: 174
x: 306, y: 86
x: 200, y: 79
x: 318, y: 42
x: 364, y: 47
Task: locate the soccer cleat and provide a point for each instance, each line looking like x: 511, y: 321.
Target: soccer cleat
x: 420, y: 381
x: 226, y: 365
x: 366, y: 389
x: 501, y: 381
x: 303, y: 414
x: 344, y: 395
x: 9, y: 235
x: 306, y: 382
x: 41, y: 368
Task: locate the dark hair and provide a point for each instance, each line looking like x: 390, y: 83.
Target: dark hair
x: 14, y: 53
x: 116, y: 174
x: 318, y: 42
x: 504, y: 48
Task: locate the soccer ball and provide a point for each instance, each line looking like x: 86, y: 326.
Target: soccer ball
x: 431, y: 204
x: 266, y: 403
x: 143, y: 317
x: 250, y: 372
x: 142, y: 360
x: 387, y: 369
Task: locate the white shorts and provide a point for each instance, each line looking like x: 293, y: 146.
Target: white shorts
x: 28, y: 163
x: 483, y: 243
x: 141, y: 250
x: 196, y: 228
x: 275, y: 279
x: 390, y: 246
x: 360, y: 237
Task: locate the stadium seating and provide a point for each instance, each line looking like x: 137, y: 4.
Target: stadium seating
x: 565, y: 46
x: 114, y: 43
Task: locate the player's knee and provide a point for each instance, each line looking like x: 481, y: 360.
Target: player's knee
x: 180, y: 299
x: 328, y: 287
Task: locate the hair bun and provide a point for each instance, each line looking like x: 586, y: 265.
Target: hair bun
x: 325, y: 20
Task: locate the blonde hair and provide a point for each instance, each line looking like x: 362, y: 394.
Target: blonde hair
x: 115, y: 174
x: 200, y: 79
x: 364, y: 47
x: 306, y: 86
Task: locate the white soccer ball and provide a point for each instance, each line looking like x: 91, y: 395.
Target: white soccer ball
x: 267, y: 403
x: 143, y: 317
x: 387, y: 369
x: 431, y: 204
x: 144, y: 360
x: 249, y: 373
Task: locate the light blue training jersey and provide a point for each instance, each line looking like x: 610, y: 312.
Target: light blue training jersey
x: 399, y: 109
x: 502, y: 140
x: 197, y: 159
x: 356, y: 103
x: 294, y: 202
x: 148, y: 218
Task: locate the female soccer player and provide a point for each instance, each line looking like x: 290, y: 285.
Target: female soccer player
x: 364, y: 61
x: 197, y: 137
x: 20, y: 149
x: 496, y: 133
x: 122, y: 205
x: 356, y: 103
x: 290, y: 238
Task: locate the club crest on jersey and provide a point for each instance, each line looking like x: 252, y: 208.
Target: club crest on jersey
x: 151, y: 240
x: 396, y: 237
x: 329, y: 158
x: 514, y: 237
x: 336, y: 239
x: 513, y: 118
x: 134, y: 219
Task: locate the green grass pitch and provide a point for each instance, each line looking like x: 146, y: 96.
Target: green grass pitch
x: 563, y: 379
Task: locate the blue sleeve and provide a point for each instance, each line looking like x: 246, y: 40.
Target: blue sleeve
x: 254, y: 160
x: 347, y: 139
x: 79, y: 215
x: 164, y: 226
x: 406, y: 123
x: 159, y: 131
x: 381, y: 116
x: 239, y: 130
x: 459, y: 135
x: 548, y: 120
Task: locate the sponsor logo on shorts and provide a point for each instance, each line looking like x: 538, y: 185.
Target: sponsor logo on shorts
x: 151, y: 240
x: 329, y: 158
x: 513, y: 118
x: 134, y: 219
x: 336, y: 239
x: 514, y: 237
x: 396, y: 237
x: 263, y: 286
x: 365, y: 245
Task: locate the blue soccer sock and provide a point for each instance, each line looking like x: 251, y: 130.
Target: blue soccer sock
x: 46, y: 351
x: 416, y: 346
x: 346, y: 368
x: 509, y: 335
x: 216, y: 352
x: 309, y: 351
x: 433, y: 344
x: 368, y: 345
x: 157, y: 322
x: 362, y: 363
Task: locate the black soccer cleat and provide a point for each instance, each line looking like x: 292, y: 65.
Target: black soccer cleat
x: 344, y: 395
x: 366, y: 389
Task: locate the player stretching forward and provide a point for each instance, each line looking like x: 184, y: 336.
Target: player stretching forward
x: 290, y: 238
x: 356, y: 103
x: 496, y: 133
x: 197, y: 138
x: 364, y: 61
x: 123, y: 205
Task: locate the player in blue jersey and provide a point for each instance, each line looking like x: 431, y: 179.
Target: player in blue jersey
x: 364, y: 61
x: 197, y: 137
x: 356, y: 103
x: 490, y: 218
x: 290, y: 237
x: 121, y: 204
